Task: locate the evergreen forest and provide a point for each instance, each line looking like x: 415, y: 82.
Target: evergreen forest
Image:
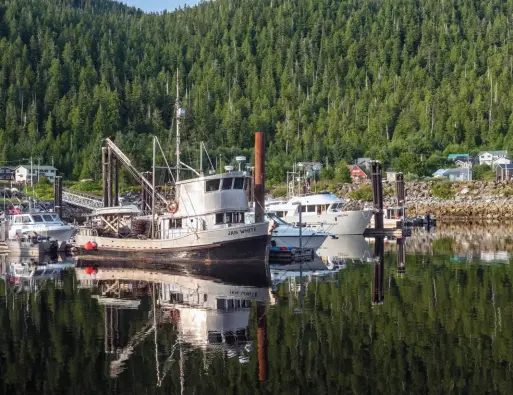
x: 402, y: 81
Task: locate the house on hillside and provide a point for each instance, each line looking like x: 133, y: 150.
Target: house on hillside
x: 6, y: 173
x: 500, y: 161
x: 24, y: 173
x: 458, y: 174
x: 504, y: 172
x: 487, y: 157
x: 357, y: 174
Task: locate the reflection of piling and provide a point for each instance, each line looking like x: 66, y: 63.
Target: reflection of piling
x: 259, y: 176
x: 57, y: 200
x: 378, y: 280
x: 263, y: 370
x: 111, y: 329
x: 401, y: 256
x: 399, y: 188
x: 377, y: 191
x: 104, y: 177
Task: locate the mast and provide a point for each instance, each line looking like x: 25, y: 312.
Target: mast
x: 177, y: 105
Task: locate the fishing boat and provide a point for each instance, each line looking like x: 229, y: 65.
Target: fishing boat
x: 322, y: 212
x: 201, y: 221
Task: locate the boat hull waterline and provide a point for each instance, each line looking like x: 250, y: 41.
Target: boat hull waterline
x: 224, y: 253
x: 341, y: 223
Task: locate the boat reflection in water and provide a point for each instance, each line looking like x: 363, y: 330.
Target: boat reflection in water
x: 344, y: 248
x: 197, y: 313
x: 24, y: 274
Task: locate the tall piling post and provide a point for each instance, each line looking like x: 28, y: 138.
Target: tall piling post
x: 401, y: 256
x: 378, y: 279
x: 116, y: 181
x: 60, y: 195
x: 104, y: 177
x: 377, y: 189
x: 263, y: 368
x: 399, y: 189
x: 56, y: 203
x: 109, y: 177
x: 259, y: 176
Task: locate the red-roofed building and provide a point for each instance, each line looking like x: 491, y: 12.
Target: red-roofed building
x: 357, y: 174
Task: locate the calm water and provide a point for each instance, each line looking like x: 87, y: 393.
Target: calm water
x: 437, y: 322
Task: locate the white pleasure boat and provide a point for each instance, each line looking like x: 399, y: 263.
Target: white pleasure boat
x: 285, y: 234
x: 41, y: 224
x: 323, y: 212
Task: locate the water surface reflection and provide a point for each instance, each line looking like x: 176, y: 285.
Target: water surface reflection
x: 407, y: 318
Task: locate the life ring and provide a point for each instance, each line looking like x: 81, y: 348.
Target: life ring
x: 172, y: 207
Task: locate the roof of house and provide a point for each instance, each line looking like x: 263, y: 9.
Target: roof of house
x: 456, y: 171
x: 506, y: 166
x: 36, y: 167
x: 351, y: 167
x: 439, y: 172
x: 497, y: 153
x: 361, y: 161
x: 455, y: 156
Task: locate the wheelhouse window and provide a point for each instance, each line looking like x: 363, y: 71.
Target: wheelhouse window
x: 175, y: 223
x: 303, y: 209
x: 48, y: 218
x: 311, y: 208
x: 238, y: 183
x: 56, y: 218
x: 18, y: 220
x: 220, y: 218
x: 26, y: 219
x: 229, y: 218
x: 227, y: 183
x: 37, y: 218
x: 212, y: 185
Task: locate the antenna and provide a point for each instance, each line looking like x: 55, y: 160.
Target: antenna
x: 240, y: 160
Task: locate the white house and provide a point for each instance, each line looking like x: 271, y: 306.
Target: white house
x: 500, y: 161
x: 23, y: 174
x: 487, y: 157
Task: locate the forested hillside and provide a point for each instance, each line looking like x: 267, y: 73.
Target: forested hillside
x: 398, y: 80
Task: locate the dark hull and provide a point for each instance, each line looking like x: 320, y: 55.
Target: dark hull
x: 241, y: 262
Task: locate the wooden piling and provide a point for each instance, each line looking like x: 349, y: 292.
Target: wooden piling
x: 259, y: 176
x: 104, y: 177
x: 116, y: 181
x: 110, y: 175
x: 399, y: 188
x: 377, y: 190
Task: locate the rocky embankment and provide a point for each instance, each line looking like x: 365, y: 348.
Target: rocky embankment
x: 480, y: 200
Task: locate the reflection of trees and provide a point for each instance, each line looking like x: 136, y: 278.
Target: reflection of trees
x: 441, y: 328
